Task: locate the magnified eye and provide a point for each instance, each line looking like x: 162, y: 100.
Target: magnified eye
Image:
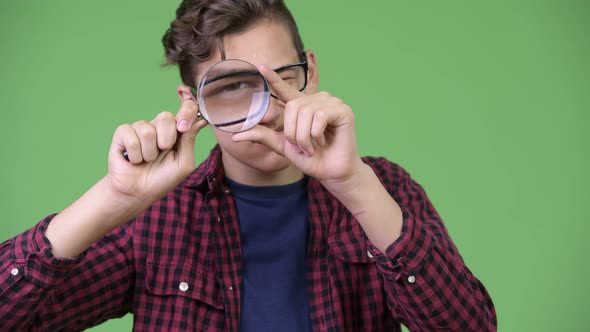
x: 233, y: 95
x: 233, y: 86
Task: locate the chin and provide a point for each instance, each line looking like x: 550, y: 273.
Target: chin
x: 267, y: 161
x: 274, y: 166
x: 258, y: 157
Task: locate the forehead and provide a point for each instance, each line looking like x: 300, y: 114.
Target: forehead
x: 264, y: 43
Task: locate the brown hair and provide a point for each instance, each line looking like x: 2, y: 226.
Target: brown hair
x: 200, y: 25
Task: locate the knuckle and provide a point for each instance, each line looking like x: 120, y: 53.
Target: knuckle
x: 293, y: 104
x: 319, y: 119
x: 165, y: 116
x: 188, y: 107
x: 132, y: 144
x: 123, y: 128
x: 166, y: 142
x: 349, y: 111
x: 139, y: 123
x: 146, y: 131
x: 305, y: 111
x: 336, y: 100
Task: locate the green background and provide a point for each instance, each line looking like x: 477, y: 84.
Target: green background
x: 485, y: 103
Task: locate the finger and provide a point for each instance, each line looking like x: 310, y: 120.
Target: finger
x: 146, y: 133
x: 186, y: 143
x: 264, y: 135
x: 335, y: 112
x: 284, y: 91
x: 303, y: 134
x: 290, y: 122
x: 125, y: 139
x: 187, y: 115
x: 291, y: 113
x: 318, y: 128
x: 166, y: 132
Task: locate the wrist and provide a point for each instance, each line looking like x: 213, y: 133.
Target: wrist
x: 119, y: 204
x: 352, y: 191
x: 100, y: 210
x: 372, y: 206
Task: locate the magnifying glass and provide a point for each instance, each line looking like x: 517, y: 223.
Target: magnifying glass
x: 233, y: 95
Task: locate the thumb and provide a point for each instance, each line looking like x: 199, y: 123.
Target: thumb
x: 264, y: 135
x: 186, y: 142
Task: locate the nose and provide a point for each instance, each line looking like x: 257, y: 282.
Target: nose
x: 274, y: 116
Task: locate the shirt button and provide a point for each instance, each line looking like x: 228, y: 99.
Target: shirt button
x: 411, y: 279
x: 231, y: 288
x: 227, y: 192
x: 218, y: 219
x: 14, y: 271
x: 183, y: 286
x: 369, y: 253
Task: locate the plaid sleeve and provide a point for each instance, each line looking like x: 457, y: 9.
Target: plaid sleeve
x: 428, y: 286
x: 40, y: 292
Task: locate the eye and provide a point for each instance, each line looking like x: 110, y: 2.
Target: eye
x: 287, y: 73
x: 233, y: 86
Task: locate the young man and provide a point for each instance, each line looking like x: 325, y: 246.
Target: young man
x: 283, y: 228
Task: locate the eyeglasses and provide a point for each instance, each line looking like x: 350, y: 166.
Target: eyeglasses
x: 233, y: 95
x: 294, y: 74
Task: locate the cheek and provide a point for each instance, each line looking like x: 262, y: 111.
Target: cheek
x: 237, y: 149
x: 275, y: 110
x: 311, y: 88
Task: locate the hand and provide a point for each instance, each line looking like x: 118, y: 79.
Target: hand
x: 319, y: 135
x: 160, y: 153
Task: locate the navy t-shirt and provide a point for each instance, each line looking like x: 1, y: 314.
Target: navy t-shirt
x: 274, y: 226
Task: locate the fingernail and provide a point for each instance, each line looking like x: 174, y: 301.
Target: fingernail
x: 183, y: 125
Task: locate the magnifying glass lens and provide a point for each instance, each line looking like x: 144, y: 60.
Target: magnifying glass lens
x: 233, y: 95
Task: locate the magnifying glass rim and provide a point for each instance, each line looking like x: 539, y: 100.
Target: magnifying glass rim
x: 201, y: 102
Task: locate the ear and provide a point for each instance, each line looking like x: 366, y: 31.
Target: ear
x: 184, y: 93
x: 313, y: 75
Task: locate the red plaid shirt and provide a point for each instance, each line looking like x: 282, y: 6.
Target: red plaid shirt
x: 178, y: 267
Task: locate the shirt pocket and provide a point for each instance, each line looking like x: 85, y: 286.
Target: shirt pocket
x: 355, y: 285
x: 175, y: 279
x: 350, y: 248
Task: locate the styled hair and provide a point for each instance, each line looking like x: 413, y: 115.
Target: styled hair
x: 200, y: 26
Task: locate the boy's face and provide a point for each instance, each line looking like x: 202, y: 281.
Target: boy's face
x: 270, y: 44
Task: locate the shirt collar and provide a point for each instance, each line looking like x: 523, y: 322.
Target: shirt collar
x: 209, y: 174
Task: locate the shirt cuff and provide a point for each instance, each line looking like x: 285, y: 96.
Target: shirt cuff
x: 407, y: 253
x: 32, y: 250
